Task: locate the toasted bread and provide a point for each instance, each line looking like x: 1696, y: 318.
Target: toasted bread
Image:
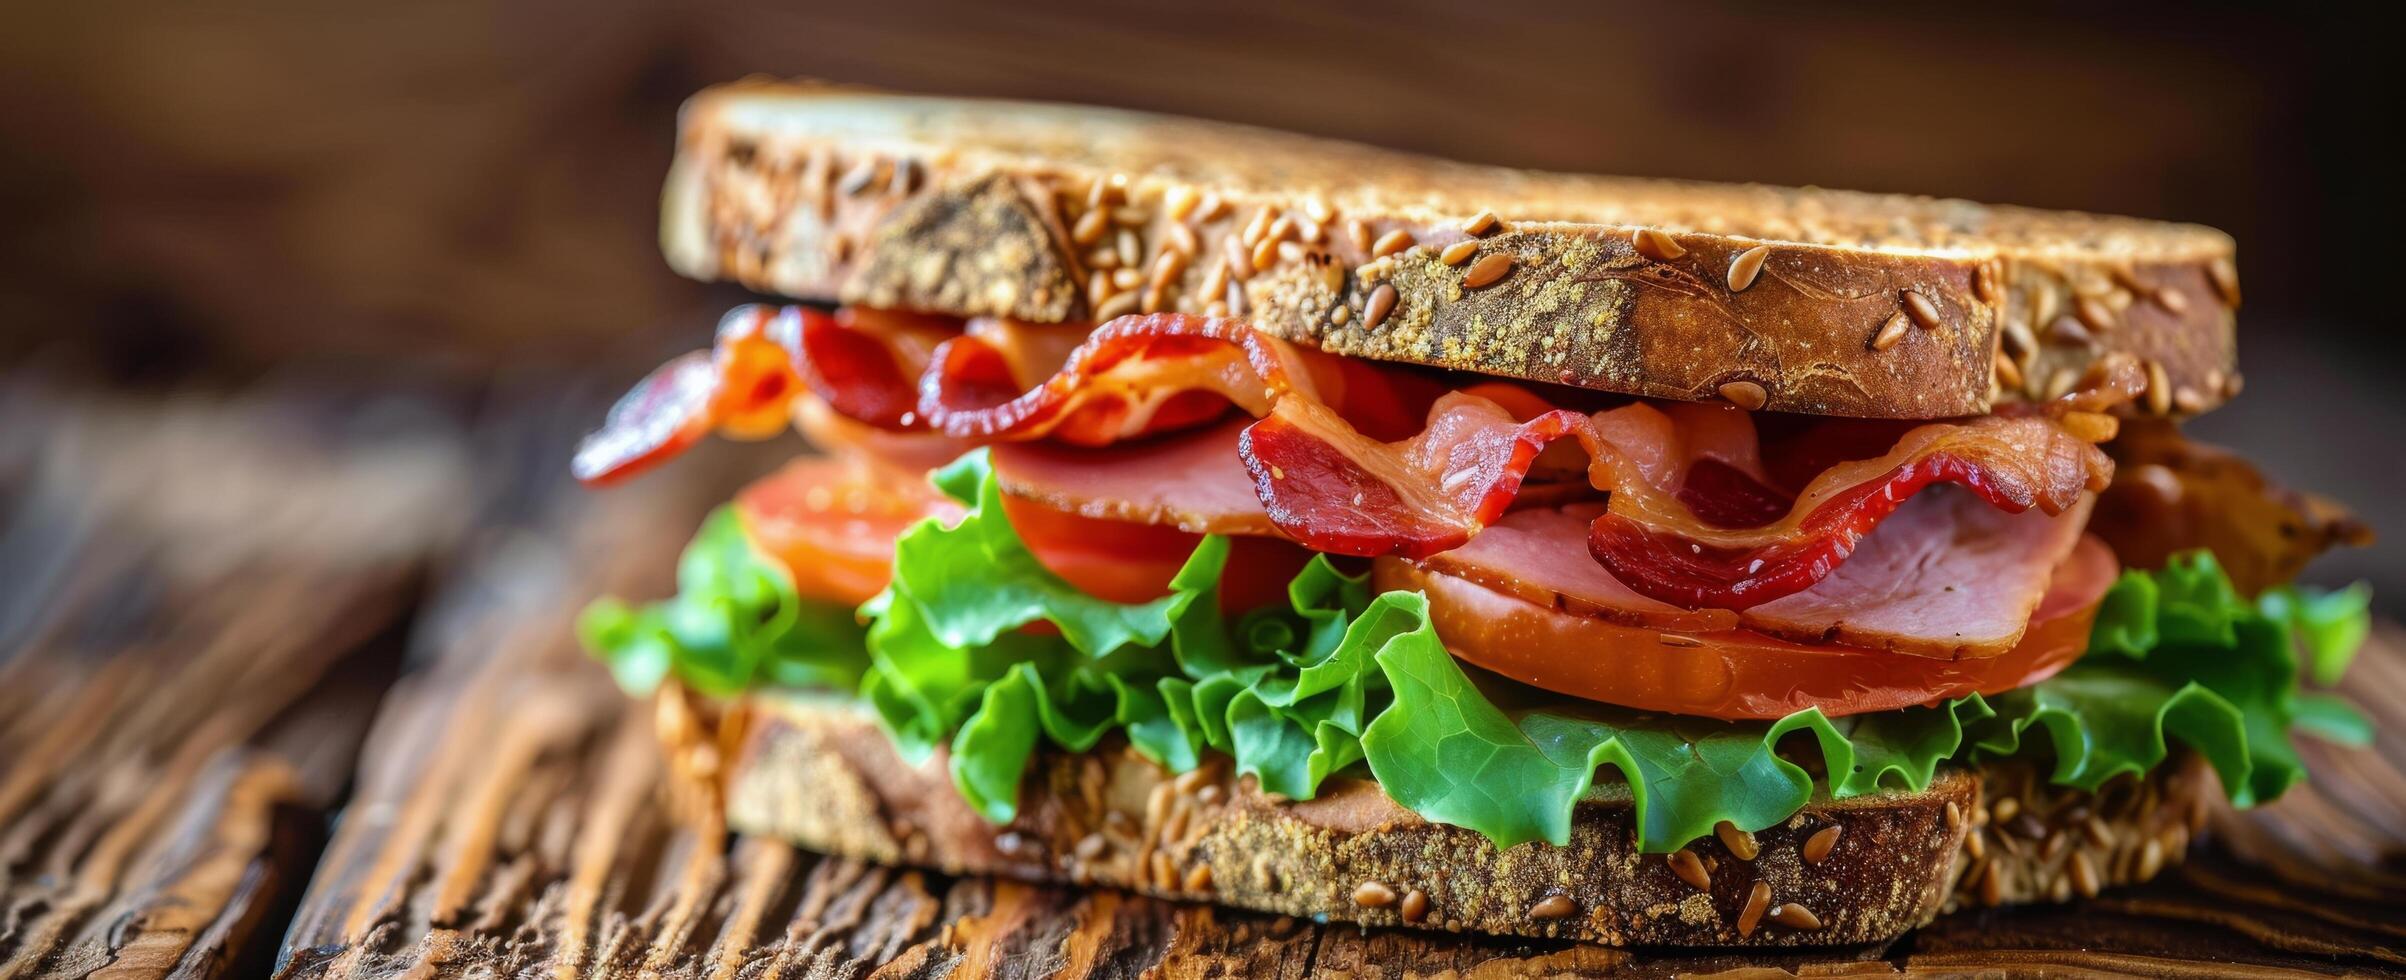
x: 1815, y: 301
x: 818, y: 772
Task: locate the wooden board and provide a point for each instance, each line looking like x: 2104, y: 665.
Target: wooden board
x: 164, y: 788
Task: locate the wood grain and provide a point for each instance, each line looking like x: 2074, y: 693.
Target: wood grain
x: 179, y: 710
x: 163, y: 780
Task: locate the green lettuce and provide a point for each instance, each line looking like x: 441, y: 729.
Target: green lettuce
x: 735, y: 624
x: 977, y: 649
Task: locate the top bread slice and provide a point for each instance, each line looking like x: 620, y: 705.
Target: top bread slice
x: 1795, y: 300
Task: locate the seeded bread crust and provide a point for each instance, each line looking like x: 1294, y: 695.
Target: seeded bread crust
x: 819, y: 773
x: 1815, y: 301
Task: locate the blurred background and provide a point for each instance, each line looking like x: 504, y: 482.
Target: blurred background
x: 448, y: 196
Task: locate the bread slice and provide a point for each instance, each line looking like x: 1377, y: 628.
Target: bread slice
x: 1816, y: 301
x: 818, y: 772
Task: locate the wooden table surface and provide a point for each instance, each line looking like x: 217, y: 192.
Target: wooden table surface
x: 304, y: 705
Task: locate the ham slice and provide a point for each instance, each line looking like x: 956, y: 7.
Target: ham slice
x: 1946, y: 576
x: 1191, y: 480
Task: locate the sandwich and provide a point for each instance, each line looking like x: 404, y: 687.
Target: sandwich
x: 1241, y: 517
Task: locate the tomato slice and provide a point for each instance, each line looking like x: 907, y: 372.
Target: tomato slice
x: 833, y: 523
x: 1125, y: 561
x: 1741, y: 674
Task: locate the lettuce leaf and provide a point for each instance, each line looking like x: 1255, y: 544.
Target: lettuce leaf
x: 1337, y: 680
x: 735, y: 624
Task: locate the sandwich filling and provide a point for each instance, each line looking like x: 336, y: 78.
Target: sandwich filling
x: 1183, y: 532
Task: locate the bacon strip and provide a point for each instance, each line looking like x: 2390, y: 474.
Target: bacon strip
x: 1132, y: 376
x: 1693, y: 518
x: 1337, y: 491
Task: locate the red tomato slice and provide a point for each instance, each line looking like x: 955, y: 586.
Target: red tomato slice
x: 1125, y: 561
x: 833, y: 523
x: 1740, y: 674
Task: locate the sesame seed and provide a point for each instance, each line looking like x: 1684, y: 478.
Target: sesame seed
x: 1091, y: 846
x: 1265, y: 254
x: 1373, y: 895
x: 1748, y: 265
x: 2009, y: 374
x: 2159, y: 389
x: 1745, y: 394
x: 1198, y: 878
x: 1740, y: 843
x: 1488, y: 270
x: 1554, y: 907
x: 1458, y: 252
x: 2094, y: 313
x: 1166, y: 268
x: 1240, y: 258
x: 1796, y: 917
x: 1179, y: 202
x: 1260, y: 223
x: 1340, y: 314
x: 1415, y: 906
x: 1117, y: 306
x: 1376, y: 308
x: 2171, y: 299
x: 1126, y: 278
x: 1131, y: 251
x: 1677, y: 640
x: 1210, y: 208
x: 1180, y: 238
x: 1891, y: 331
x: 2084, y: 875
x: 1817, y: 847
x: 1090, y: 227
x: 1683, y: 863
x: 1988, y: 283
x: 1391, y: 243
x: 1923, y: 311
x: 1359, y: 234
x: 1654, y: 244
x: 1480, y: 223
x: 1757, y: 900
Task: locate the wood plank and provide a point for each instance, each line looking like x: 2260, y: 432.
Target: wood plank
x: 179, y: 707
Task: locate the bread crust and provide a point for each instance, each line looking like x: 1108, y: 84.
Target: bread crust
x: 1667, y: 289
x: 818, y: 772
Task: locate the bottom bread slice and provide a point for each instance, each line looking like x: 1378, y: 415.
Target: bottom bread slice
x: 820, y: 773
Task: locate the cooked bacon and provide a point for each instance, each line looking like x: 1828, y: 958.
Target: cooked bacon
x: 1133, y: 376
x: 1337, y: 491
x: 1695, y: 520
